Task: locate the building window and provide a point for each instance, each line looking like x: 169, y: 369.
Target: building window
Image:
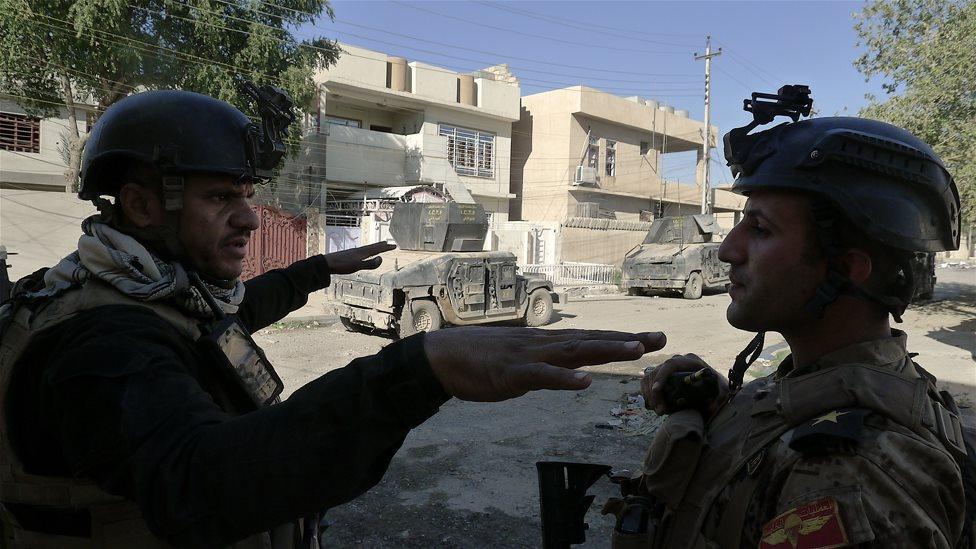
x: 20, y: 133
x: 343, y: 121
x: 611, y: 157
x: 471, y: 152
x: 593, y: 152
x: 645, y: 148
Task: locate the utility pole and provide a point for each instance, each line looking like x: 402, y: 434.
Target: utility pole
x: 707, y: 138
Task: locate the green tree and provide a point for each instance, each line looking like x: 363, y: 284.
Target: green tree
x: 923, y: 50
x: 56, y: 54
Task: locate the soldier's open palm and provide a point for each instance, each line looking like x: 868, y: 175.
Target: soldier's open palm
x: 488, y: 364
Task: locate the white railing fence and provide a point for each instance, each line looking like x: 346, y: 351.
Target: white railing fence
x: 568, y: 274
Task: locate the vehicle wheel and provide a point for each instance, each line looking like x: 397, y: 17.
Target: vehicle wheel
x: 693, y: 288
x: 634, y: 291
x: 426, y: 318
x: 538, y: 312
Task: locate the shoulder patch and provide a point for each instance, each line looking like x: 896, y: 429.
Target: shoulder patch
x: 813, y: 524
x: 827, y: 430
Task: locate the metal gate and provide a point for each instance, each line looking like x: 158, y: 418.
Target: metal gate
x: 279, y: 242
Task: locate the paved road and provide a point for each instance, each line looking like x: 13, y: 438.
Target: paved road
x: 466, y: 478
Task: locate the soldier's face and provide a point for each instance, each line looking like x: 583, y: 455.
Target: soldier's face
x: 216, y: 224
x: 774, y: 269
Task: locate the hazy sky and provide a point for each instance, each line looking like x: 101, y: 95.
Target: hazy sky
x: 629, y: 48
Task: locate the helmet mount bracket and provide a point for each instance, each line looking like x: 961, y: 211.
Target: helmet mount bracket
x: 792, y: 101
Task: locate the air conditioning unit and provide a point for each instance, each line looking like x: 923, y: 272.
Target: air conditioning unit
x: 585, y: 175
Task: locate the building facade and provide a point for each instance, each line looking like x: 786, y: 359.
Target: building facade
x: 383, y: 121
x: 33, y: 151
x: 593, y: 162
x: 580, y: 152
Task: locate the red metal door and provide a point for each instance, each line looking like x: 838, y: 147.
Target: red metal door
x: 279, y: 242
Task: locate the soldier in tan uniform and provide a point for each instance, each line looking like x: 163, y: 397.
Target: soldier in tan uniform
x: 849, y: 442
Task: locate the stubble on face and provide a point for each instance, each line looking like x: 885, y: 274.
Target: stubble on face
x: 775, y: 267
x: 216, y: 225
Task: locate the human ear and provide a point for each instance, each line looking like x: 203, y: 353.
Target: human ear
x: 858, y: 265
x: 137, y: 205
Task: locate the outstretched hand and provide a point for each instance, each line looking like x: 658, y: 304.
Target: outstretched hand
x: 357, y: 259
x: 489, y: 364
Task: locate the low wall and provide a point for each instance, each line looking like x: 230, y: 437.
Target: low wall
x: 597, y: 246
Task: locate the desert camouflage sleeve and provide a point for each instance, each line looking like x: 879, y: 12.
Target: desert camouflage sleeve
x: 892, y: 489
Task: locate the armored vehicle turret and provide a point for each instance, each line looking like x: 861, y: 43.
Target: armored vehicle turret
x: 439, y: 276
x: 677, y: 254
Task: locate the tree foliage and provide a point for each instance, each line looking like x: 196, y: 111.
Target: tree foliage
x: 923, y: 50
x: 57, y: 53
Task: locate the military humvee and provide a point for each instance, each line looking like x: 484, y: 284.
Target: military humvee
x: 677, y: 254
x: 923, y: 269
x: 440, y: 276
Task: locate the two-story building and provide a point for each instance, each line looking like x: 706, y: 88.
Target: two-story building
x: 383, y: 121
x: 580, y: 154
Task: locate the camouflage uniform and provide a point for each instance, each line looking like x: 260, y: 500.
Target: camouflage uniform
x: 874, y: 472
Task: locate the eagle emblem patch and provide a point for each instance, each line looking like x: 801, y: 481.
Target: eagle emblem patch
x: 812, y: 525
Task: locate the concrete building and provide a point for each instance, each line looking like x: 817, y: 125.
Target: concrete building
x: 580, y: 152
x: 383, y: 121
x: 33, y: 150
x: 581, y: 156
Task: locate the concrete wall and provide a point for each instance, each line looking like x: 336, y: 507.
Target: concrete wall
x: 433, y: 83
x: 597, y: 246
x: 42, y: 227
x: 362, y: 70
x: 44, y: 168
x: 544, y: 162
x: 498, y: 97
x: 357, y: 65
x: 358, y: 156
x: 532, y: 243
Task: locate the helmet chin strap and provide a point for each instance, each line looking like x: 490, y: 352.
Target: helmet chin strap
x: 169, y: 233
x: 835, y: 282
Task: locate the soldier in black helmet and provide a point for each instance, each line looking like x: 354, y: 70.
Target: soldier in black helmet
x: 138, y: 412
x: 849, y: 442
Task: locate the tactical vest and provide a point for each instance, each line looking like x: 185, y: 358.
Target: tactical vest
x: 686, y: 473
x: 115, y: 522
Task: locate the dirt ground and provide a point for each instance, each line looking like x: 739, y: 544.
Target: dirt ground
x: 467, y: 478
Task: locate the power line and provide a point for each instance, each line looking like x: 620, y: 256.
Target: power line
x: 520, y: 33
x: 757, y: 67
x: 501, y: 55
x: 584, y: 26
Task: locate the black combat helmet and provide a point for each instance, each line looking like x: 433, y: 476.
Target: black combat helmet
x: 886, y: 181
x: 183, y: 132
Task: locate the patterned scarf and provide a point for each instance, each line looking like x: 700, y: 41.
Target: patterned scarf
x: 120, y: 260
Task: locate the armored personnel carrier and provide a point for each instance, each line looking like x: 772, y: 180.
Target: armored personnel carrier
x: 440, y: 276
x: 677, y: 254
